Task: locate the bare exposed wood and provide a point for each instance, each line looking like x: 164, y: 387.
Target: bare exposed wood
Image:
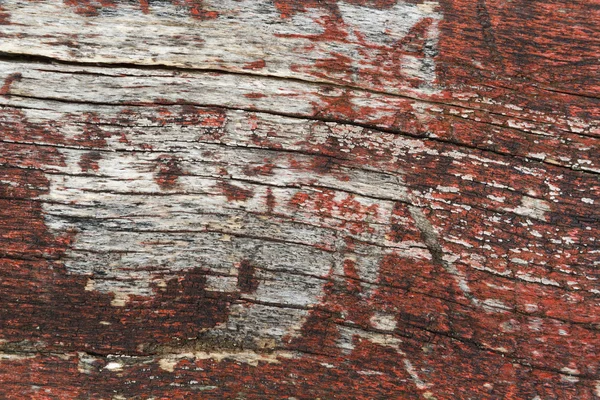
x: 311, y: 199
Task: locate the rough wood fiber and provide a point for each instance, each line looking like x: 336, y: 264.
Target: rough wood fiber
x: 363, y: 199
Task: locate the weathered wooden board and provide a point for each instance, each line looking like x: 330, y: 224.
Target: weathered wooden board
x: 299, y: 199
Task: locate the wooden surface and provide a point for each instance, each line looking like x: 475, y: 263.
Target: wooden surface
x: 361, y: 199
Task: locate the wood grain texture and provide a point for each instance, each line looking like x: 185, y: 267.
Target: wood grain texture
x: 365, y: 199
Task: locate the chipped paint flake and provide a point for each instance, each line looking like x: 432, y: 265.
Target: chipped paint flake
x: 531, y: 207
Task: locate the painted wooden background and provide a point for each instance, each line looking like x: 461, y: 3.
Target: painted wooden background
x: 299, y: 199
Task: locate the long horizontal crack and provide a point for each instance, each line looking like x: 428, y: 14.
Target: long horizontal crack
x: 320, y: 119
x: 48, y: 60
x: 144, y: 357
x: 41, y: 59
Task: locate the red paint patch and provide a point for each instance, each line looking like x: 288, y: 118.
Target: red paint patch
x: 235, y: 193
x: 4, y: 17
x: 263, y: 170
x: 322, y: 165
x: 402, y: 225
x: 169, y: 170
x: 260, y: 64
x: 144, y: 6
x: 325, y: 204
x: 378, y: 66
x: 270, y: 200
x: 93, y: 135
x: 90, y: 8
x: 89, y: 161
x: 254, y: 95
x: 288, y: 8
x: 246, y: 283
x: 196, y: 8
x: 8, y: 81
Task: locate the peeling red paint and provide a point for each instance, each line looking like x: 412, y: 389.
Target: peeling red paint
x: 235, y: 193
x: 255, y: 95
x: 270, y: 200
x: 196, y: 8
x: 89, y: 161
x: 327, y: 205
x: 168, y: 171
x: 144, y: 6
x: 322, y: 165
x: 379, y: 65
x: 83, y: 7
x: 540, y: 340
x: 4, y: 90
x: 91, y: 8
x: 4, y: 17
x: 289, y: 8
x: 456, y: 337
x: 259, y: 64
x: 260, y: 170
x: 247, y: 283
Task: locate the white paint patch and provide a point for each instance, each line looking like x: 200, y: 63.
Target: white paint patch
x: 370, y: 373
x: 570, y: 371
x: 225, y: 284
x: 495, y: 305
x: 531, y: 207
x: 120, y: 299
x: 237, y: 33
x: 89, y: 286
x: 390, y: 25
x: 529, y: 278
x: 519, y: 261
x: 569, y: 378
x: 448, y: 189
x: 429, y: 6
x: 394, y: 22
x: 168, y: 364
x: 133, y: 237
x: 114, y: 366
x: 246, y: 357
x: 384, y: 322
x: 496, y: 198
x: 15, y: 357
x: 414, y: 375
x: 531, y: 308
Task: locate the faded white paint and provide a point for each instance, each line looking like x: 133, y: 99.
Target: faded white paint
x: 230, y: 42
x: 531, y: 207
x: 383, y: 321
x: 132, y: 236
